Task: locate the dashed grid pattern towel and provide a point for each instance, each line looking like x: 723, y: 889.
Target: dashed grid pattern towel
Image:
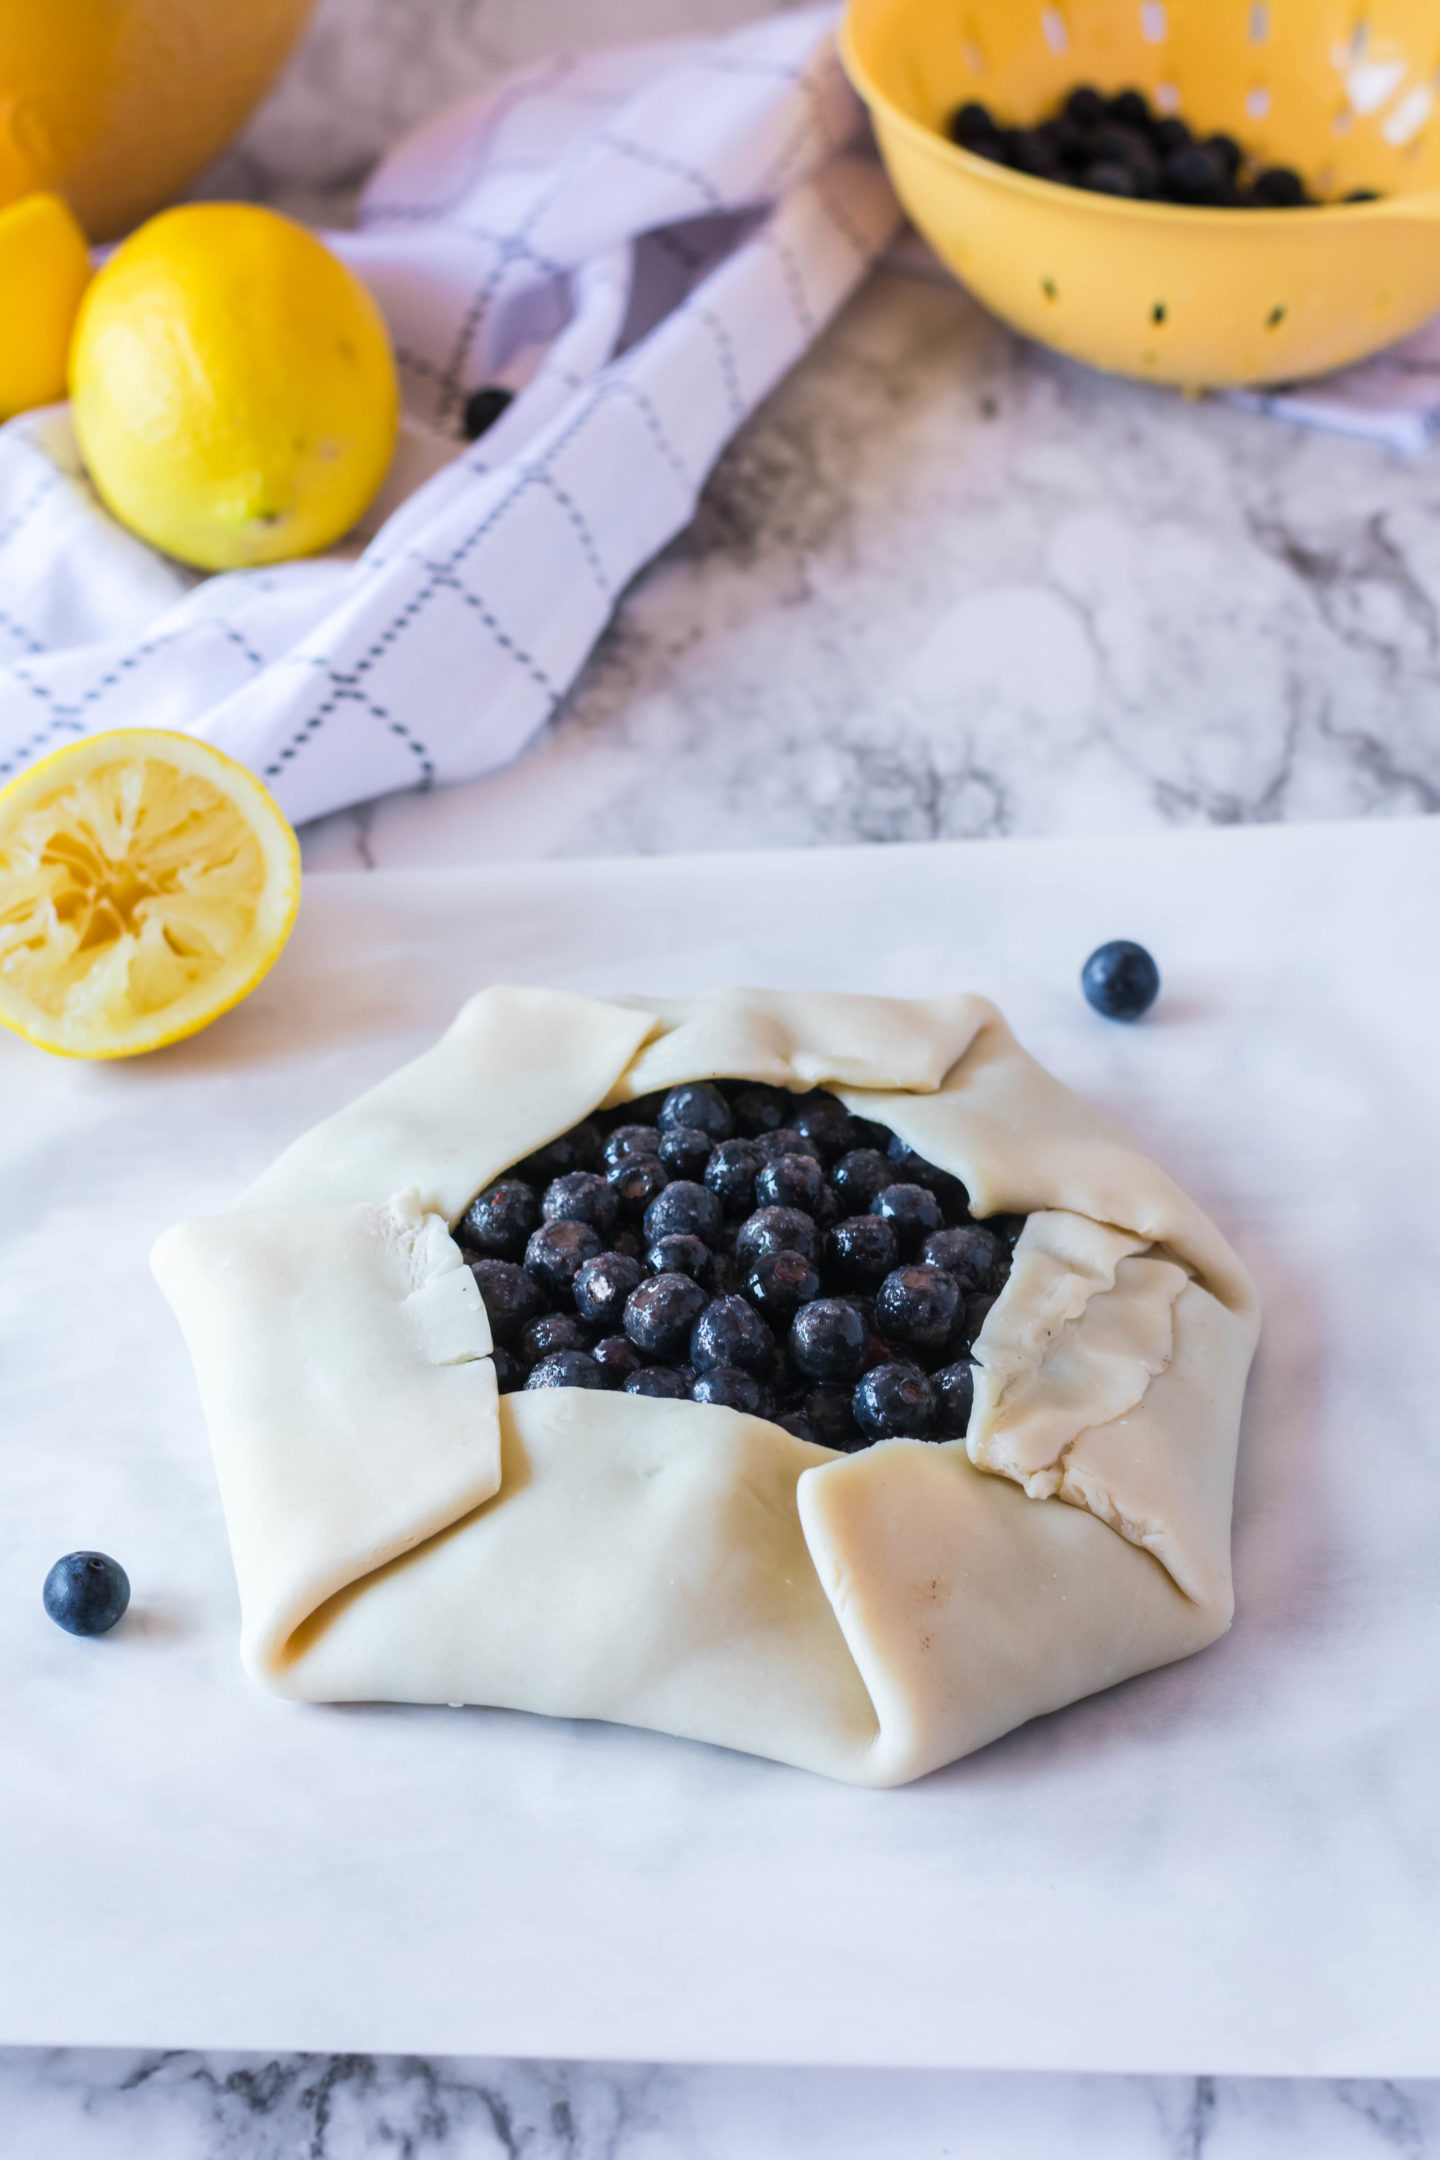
x: 639, y: 243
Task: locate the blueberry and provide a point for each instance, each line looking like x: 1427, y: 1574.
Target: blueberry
x: 954, y: 1387
x: 1227, y: 151
x: 919, y: 1306
x: 1169, y: 134
x: 999, y: 148
x: 509, y: 1370
x: 579, y: 1149
x: 602, y: 1285
x: 909, y: 1165
x: 685, y: 1151
x: 797, y: 1425
x: 631, y: 1140
x: 971, y: 123
x: 731, y: 1388
x: 1006, y: 1227
x: 774, y: 1230
x: 636, y: 1180
x: 582, y: 1197
x: 1108, y: 177
x: 677, y: 1255
x: 859, y: 1177
x: 977, y: 1312
x: 761, y: 1109
x: 684, y: 1209
x: 1120, y: 980
x: 793, y: 1181
x: 731, y: 1172
x: 661, y: 1313
x: 861, y: 1251
x: 723, y: 1275
x: 1193, y: 174
x: 552, y: 1331
x: 784, y: 1141
x: 828, y: 1340
x: 1085, y: 106
x: 828, y: 1123
x: 659, y: 1381
x: 1278, y: 188
x: 500, y: 1220
x: 483, y: 408
x: 894, y: 1402
x: 629, y: 1242
x: 1131, y: 108
x: 698, y: 1103
x: 86, y: 1592
x: 617, y: 1358
x: 829, y: 1410
x: 731, y: 1332
x: 1038, y: 153
x: 567, y: 1368
x: 912, y: 1212
x: 780, y: 1283
x: 970, y: 1254
x: 556, y: 1253
x: 510, y: 1295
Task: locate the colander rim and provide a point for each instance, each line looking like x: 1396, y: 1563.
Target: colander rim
x: 1193, y: 215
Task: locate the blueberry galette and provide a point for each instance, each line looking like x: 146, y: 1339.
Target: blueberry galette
x: 806, y: 1373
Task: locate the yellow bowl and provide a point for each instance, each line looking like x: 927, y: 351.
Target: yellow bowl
x: 118, y: 104
x: 1343, y: 90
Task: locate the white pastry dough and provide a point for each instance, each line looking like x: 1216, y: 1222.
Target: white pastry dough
x: 402, y: 1533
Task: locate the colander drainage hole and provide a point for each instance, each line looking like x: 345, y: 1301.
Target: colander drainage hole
x: 1050, y: 289
x: 1159, y: 313
x: 1276, y: 316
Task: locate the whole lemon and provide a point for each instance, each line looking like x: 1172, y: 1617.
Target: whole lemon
x: 234, y: 392
x: 44, y: 270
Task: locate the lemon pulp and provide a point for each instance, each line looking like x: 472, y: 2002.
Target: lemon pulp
x: 146, y: 884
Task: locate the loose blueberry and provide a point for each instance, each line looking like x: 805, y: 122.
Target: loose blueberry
x: 636, y: 1180
x: 970, y: 124
x: 659, y: 1315
x: 685, y: 1151
x: 860, y: 1177
x: 954, y: 1387
x: 779, y: 1284
x: 86, y: 1592
x: 731, y: 1332
x: 912, y: 1212
x: 894, y: 1402
x: 660, y: 1381
x: 601, y: 1287
x: 1279, y: 188
x: 861, y: 1251
x: 698, y: 1103
x: 509, y: 1370
x: 828, y: 1340
x: 1006, y: 1227
x: 500, y: 1220
x: 761, y: 1109
x: 774, y: 1230
x: 731, y: 1172
x: 972, y: 1255
x: 567, y: 1368
x: 556, y: 1253
x: 828, y: 1123
x: 552, y: 1331
x: 793, y: 1181
x: 797, y: 1425
x: 510, y: 1295
x: 677, y: 1255
x: 617, y: 1358
x: 631, y: 1140
x: 731, y: 1388
x: 919, y: 1306
x: 1120, y: 980
x: 829, y: 1411
x: 584, y: 1198
x: 579, y: 1149
x: 684, y: 1209
x: 784, y: 1140
x: 483, y: 408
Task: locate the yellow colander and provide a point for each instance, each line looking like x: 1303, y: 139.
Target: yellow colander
x: 1343, y: 90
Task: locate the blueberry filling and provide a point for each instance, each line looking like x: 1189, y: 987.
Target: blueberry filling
x: 730, y: 1243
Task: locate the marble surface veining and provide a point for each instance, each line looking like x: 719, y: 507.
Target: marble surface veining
x: 943, y: 584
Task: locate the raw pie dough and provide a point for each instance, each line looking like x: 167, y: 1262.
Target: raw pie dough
x: 403, y: 1533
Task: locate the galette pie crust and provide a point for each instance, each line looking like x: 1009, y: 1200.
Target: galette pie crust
x: 403, y: 1533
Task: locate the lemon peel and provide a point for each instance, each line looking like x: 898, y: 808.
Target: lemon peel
x: 147, y: 883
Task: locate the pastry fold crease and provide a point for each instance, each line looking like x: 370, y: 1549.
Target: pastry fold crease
x: 400, y: 1532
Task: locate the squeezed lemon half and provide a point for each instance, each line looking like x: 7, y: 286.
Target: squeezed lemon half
x: 147, y: 883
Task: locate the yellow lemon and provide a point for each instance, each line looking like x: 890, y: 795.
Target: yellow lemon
x: 118, y: 104
x: 44, y: 269
x: 147, y: 882
x: 234, y: 390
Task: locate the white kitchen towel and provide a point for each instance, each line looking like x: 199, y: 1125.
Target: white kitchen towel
x: 639, y: 243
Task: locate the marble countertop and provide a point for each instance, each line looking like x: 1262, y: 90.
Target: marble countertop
x: 943, y: 585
